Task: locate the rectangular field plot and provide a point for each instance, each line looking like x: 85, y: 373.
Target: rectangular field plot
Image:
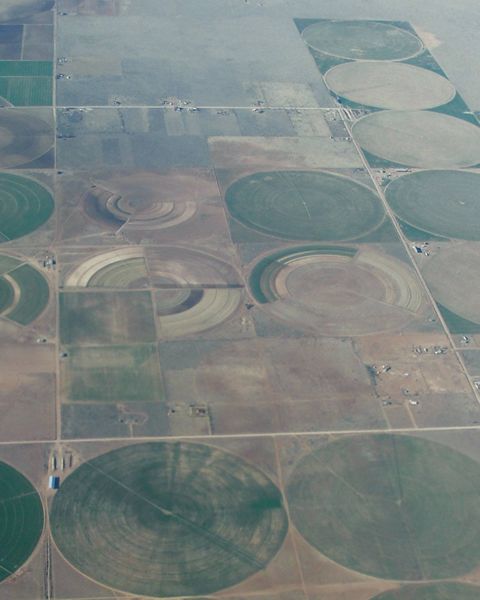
x: 106, y: 317
x: 266, y: 386
x: 112, y: 374
x: 27, y: 91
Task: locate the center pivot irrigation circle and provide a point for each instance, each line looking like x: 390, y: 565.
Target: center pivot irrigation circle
x: 24, y: 206
x: 444, y: 203
x: 435, y: 591
x: 390, y: 506
x: 419, y: 138
x: 368, y: 40
x: 304, y: 205
x: 23, y: 137
x: 336, y: 290
x: 389, y: 85
x: 21, y: 520
x: 168, y: 519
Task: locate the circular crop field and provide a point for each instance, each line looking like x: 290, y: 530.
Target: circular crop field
x: 389, y: 85
x: 168, y: 519
x: 419, y: 138
x: 121, y: 268
x: 436, y: 591
x: 144, y: 200
x: 21, y: 520
x: 23, y: 137
x: 390, y: 506
x: 444, y: 203
x: 453, y: 276
x: 305, y: 205
x: 368, y: 40
x: 24, y: 292
x: 336, y: 291
x: 25, y: 205
x: 187, y: 311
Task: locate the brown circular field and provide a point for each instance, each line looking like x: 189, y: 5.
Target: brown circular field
x: 23, y: 137
x: 168, y: 519
x: 419, y: 138
x: 145, y: 200
x: 397, y: 86
x: 336, y: 291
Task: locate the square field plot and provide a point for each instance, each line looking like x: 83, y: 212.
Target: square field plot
x: 111, y: 374
x: 106, y: 317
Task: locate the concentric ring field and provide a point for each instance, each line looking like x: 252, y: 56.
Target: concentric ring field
x: 304, y: 205
x: 445, y: 203
x: 419, y: 138
x: 25, y: 205
x: 390, y: 506
x: 168, y: 519
x: 336, y: 290
x: 397, y: 86
x: 435, y: 591
x: 24, y: 292
x: 21, y: 520
x: 367, y: 40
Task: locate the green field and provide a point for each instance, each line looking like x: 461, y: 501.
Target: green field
x: 444, y: 203
x: 34, y: 295
x: 24, y: 292
x: 168, y: 519
x: 437, y: 591
x: 21, y: 520
x: 264, y: 271
x: 390, y: 506
x: 112, y: 374
x: 26, y: 68
x: 304, y: 205
x: 27, y: 91
x: 419, y: 138
x: 25, y: 205
x: 367, y: 40
x: 106, y: 317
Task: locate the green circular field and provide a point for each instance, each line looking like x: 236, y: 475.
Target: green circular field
x: 368, y: 40
x: 168, y: 519
x: 304, y: 205
x: 419, y: 138
x: 444, y: 203
x: 24, y: 292
x: 21, y: 520
x: 24, y: 206
x: 389, y: 85
x: 390, y: 506
x: 436, y: 591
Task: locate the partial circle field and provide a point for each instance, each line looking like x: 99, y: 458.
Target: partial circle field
x: 21, y: 520
x: 398, y: 86
x: 390, y: 506
x: 305, y: 205
x: 336, y: 290
x: 362, y: 40
x: 168, y: 519
x: 24, y: 292
x: 24, y: 137
x: 419, y: 138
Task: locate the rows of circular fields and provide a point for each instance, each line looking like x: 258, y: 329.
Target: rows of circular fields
x: 174, y: 519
